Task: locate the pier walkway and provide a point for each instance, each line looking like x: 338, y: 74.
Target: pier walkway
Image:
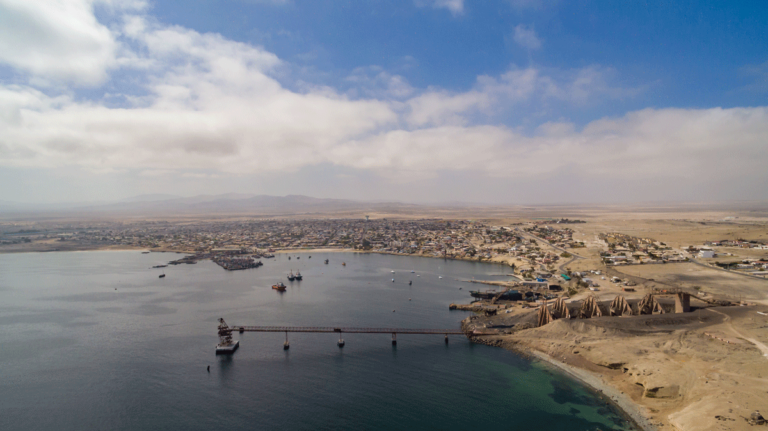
x: 344, y: 330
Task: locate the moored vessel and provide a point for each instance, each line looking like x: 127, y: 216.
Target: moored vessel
x: 291, y: 277
x: 298, y: 276
x: 279, y: 286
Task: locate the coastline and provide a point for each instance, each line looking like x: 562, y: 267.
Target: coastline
x: 635, y: 412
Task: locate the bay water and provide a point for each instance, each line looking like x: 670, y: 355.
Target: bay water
x: 96, y: 341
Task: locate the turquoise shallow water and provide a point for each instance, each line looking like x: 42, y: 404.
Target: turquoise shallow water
x: 77, y: 354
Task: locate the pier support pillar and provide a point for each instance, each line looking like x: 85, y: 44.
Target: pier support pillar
x: 446, y: 338
x: 394, y: 339
x: 682, y: 303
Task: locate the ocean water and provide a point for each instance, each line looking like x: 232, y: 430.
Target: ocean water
x: 96, y: 341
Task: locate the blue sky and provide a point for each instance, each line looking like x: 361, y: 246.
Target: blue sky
x: 513, y: 101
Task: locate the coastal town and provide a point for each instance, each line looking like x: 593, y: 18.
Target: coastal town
x: 587, y: 296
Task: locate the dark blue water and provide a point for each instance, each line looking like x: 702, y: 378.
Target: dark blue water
x: 77, y: 354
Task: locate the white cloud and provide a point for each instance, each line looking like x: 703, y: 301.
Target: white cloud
x: 456, y: 7
x: 59, y: 41
x: 526, y: 37
x: 374, y: 81
x: 531, y: 86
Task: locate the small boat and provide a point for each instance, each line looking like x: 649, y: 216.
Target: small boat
x: 410, y: 282
x: 393, y: 271
x: 393, y: 280
x: 298, y: 275
x: 412, y: 272
x: 418, y: 275
x: 440, y: 276
x: 144, y: 252
x: 310, y: 257
x: 298, y: 257
x: 289, y: 257
x: 161, y: 276
x: 279, y: 286
x: 343, y: 263
x: 326, y: 261
x: 291, y: 277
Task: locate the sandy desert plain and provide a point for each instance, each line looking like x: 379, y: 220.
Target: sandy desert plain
x: 702, y: 370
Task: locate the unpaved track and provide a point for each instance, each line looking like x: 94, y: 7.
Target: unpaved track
x: 763, y: 348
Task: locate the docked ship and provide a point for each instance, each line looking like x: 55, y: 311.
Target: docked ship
x: 291, y: 277
x: 298, y: 275
x: 279, y: 286
x: 510, y: 295
x: 227, y: 345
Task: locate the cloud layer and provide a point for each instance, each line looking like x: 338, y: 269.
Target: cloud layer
x: 208, y: 104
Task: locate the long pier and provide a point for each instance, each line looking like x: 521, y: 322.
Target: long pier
x: 345, y: 330
x: 227, y: 345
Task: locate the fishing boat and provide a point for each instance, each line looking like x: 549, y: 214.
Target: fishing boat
x: 161, y: 275
x: 410, y: 282
x: 291, y: 277
x: 298, y: 275
x: 326, y: 261
x: 279, y: 286
x: 393, y: 280
x: 343, y: 263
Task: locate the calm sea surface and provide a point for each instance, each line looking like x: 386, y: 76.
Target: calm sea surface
x: 96, y: 341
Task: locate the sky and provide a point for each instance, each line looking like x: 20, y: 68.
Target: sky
x: 487, y: 101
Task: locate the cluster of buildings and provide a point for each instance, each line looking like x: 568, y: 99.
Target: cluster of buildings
x: 622, y: 249
x: 559, y: 237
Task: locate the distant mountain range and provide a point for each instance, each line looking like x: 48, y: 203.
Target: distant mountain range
x: 231, y: 204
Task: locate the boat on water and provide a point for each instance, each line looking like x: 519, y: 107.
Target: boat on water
x: 343, y: 263
x: 289, y: 257
x: 161, y: 275
x: 144, y: 252
x: 298, y: 275
x: 298, y: 257
x: 393, y: 280
x: 410, y: 282
x: 279, y: 286
x: 393, y: 271
x: 326, y: 261
x: 291, y: 277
